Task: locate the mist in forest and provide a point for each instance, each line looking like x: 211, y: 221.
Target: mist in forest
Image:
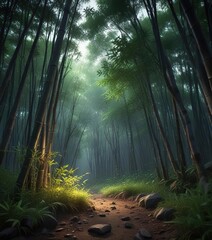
x: 111, y: 89
x: 110, y: 97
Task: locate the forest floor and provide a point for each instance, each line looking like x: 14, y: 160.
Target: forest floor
x: 109, y: 210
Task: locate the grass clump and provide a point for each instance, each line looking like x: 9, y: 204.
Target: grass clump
x: 131, y: 187
x: 13, y: 214
x: 193, y: 214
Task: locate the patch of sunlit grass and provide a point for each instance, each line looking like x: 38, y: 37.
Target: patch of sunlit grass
x: 71, y: 199
x: 132, y: 188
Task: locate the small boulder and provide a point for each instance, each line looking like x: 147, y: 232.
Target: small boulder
x: 74, y: 219
x: 100, y: 229
x: 128, y: 225
x: 164, y: 214
x: 143, y: 234
x: 125, y: 218
x: 150, y: 201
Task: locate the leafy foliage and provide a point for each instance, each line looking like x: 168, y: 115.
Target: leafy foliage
x: 193, y: 215
x: 64, y: 177
x: 14, y: 213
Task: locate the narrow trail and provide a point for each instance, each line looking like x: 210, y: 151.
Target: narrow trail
x: 109, y: 210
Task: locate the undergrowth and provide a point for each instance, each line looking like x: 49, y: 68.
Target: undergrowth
x: 193, y: 216
x: 66, y: 194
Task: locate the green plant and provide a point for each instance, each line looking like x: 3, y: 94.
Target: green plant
x: 64, y: 177
x: 193, y: 214
x: 13, y: 213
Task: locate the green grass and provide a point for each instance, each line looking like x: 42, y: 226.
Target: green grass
x: 193, y: 214
x: 71, y: 199
x: 130, y: 188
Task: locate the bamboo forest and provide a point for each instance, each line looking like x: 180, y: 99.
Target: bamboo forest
x: 105, y: 119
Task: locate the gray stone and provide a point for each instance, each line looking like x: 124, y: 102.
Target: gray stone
x: 128, y: 225
x: 75, y: 219
x: 164, y: 214
x: 85, y: 221
x: 100, y: 229
x: 150, y: 201
x: 137, y: 237
x: 145, y: 233
x: 125, y: 218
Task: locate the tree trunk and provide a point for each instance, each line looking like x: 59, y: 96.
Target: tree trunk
x: 12, y: 116
x: 171, y: 84
x: 42, y: 106
x: 206, y: 89
x: 202, y: 44
x: 10, y: 67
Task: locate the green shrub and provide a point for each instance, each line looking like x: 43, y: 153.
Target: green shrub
x: 193, y: 215
x: 12, y: 214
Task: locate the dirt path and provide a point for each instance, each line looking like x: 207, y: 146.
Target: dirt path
x: 108, y: 210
